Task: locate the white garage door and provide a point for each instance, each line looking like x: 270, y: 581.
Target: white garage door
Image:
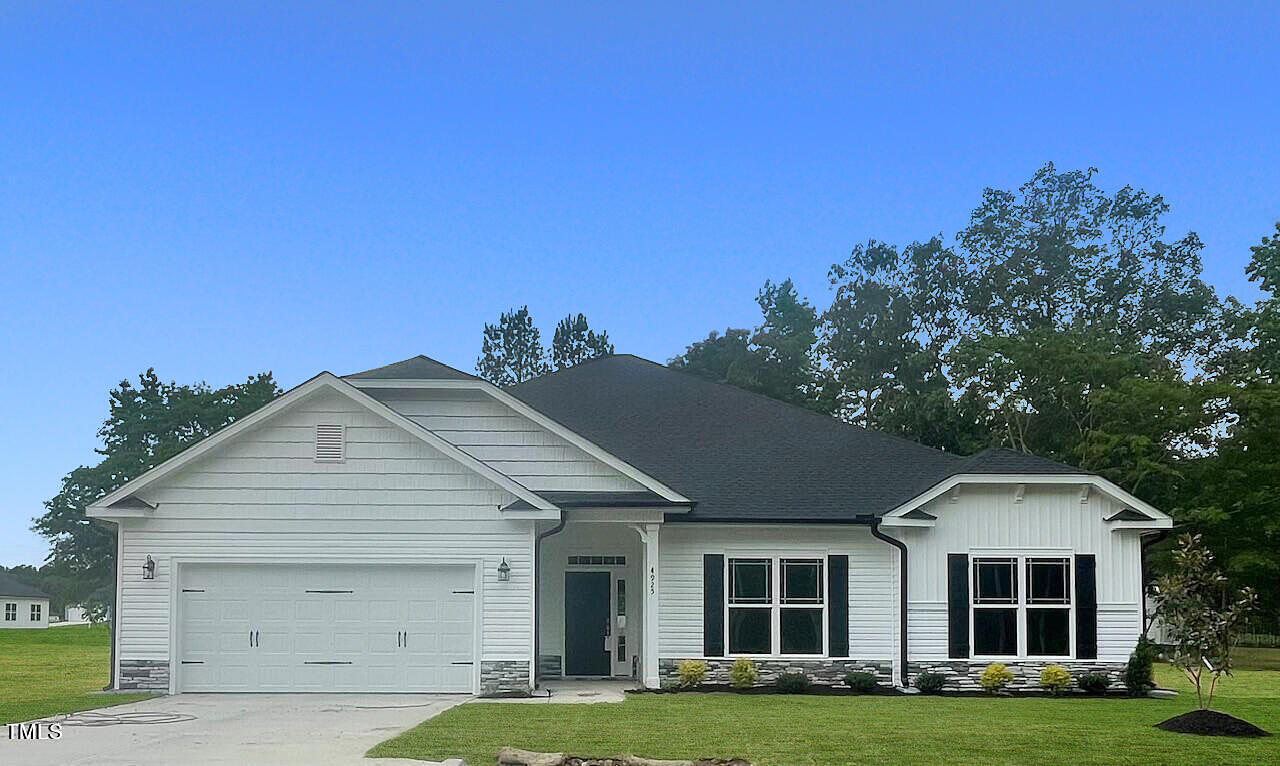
x: 326, y: 628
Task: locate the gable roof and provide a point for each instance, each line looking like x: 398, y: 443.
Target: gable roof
x: 103, y: 507
x: 414, y: 368
x: 11, y: 587
x: 1001, y: 460
x: 739, y: 456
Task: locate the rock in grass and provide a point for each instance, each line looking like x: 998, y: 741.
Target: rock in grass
x: 1211, y: 723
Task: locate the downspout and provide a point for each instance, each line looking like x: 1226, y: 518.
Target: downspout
x: 1144, y: 544
x: 902, y: 590
x: 537, y: 590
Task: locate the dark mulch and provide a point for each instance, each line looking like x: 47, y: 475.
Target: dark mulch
x: 1211, y: 723
x: 819, y: 690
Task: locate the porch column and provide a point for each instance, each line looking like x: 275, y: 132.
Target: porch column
x: 649, y: 664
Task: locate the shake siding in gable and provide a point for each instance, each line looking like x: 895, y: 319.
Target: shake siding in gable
x: 263, y: 497
x: 490, y: 431
x: 873, y: 610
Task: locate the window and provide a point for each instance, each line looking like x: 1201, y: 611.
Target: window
x: 10, y: 612
x: 622, y: 597
x: 1022, y: 607
x: 609, y: 561
x: 776, y: 606
x: 35, y: 612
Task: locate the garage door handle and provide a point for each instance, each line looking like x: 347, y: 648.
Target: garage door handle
x: 326, y: 662
x: 462, y: 663
x: 406, y: 639
x: 257, y: 638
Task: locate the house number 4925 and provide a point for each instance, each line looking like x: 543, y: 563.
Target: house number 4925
x: 653, y: 581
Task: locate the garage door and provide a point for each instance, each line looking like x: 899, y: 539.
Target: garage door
x: 326, y: 628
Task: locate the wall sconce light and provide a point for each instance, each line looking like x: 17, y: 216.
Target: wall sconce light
x: 149, y: 569
x: 504, y: 571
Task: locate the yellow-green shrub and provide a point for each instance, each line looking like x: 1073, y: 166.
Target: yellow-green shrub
x: 691, y: 673
x: 995, y: 677
x: 1056, y: 679
x: 743, y: 674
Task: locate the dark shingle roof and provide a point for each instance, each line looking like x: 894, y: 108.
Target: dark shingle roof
x: 745, y: 457
x: 11, y: 587
x: 417, y: 368
x: 569, y: 499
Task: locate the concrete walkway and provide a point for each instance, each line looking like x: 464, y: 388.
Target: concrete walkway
x: 570, y: 691
x: 232, y: 730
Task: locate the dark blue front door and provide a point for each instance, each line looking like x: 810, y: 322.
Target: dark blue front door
x: 586, y: 623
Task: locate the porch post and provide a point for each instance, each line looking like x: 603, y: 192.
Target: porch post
x: 649, y: 536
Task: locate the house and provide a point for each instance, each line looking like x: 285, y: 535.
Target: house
x: 415, y: 528
x: 24, y: 606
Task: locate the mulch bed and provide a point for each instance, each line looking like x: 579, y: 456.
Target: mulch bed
x: 816, y: 690
x: 1211, y: 723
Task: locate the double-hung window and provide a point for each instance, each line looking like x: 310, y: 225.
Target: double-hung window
x: 1022, y: 606
x: 35, y: 612
x: 10, y: 612
x: 776, y: 606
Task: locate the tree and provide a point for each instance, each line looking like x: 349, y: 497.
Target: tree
x: 512, y: 350
x: 148, y: 423
x: 1201, y: 614
x: 777, y: 359
x: 574, y: 343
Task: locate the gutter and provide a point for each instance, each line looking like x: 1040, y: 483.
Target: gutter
x: 874, y: 522
x: 537, y: 591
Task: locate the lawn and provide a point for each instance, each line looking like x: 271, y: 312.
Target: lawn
x: 825, y: 731
x: 43, y: 672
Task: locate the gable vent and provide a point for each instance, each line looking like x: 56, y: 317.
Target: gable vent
x: 330, y: 444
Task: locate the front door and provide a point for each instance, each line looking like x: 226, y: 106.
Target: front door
x: 586, y: 623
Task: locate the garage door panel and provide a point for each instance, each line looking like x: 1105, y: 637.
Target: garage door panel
x: 327, y: 641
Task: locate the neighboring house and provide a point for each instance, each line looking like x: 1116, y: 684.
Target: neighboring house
x: 21, y: 605
x: 414, y: 528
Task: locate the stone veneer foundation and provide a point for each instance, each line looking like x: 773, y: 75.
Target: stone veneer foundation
x: 827, y: 672
x: 504, y: 678
x: 147, y: 675
x: 962, y: 675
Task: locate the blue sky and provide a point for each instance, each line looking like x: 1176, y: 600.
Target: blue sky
x: 216, y: 191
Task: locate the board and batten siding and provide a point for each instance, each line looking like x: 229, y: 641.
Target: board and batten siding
x: 262, y: 497
x: 511, y: 443
x: 1048, y: 517
x: 873, y: 578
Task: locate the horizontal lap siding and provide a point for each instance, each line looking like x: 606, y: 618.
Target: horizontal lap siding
x: 490, y: 431
x: 1050, y: 517
x: 263, y: 497
x: 872, y: 579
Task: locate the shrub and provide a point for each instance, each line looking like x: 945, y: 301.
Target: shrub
x: 1094, y: 683
x: 691, y: 673
x: 862, y: 682
x: 793, y: 682
x: 743, y: 674
x: 1056, y: 679
x: 930, y: 683
x: 995, y: 677
x: 1138, y: 678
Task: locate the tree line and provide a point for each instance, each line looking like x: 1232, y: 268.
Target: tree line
x: 1062, y: 321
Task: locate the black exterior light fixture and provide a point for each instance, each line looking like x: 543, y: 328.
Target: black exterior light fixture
x: 504, y: 571
x: 149, y: 569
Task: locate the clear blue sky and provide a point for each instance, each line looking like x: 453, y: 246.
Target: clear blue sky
x: 216, y: 192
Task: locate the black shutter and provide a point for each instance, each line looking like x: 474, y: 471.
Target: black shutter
x: 713, y: 605
x: 1086, y: 607
x: 838, y: 606
x: 958, y: 605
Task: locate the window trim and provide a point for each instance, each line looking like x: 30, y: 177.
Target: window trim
x: 1022, y: 585
x: 11, y: 608
x: 776, y: 605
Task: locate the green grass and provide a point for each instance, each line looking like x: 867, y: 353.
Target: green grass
x: 43, y: 672
x: 1251, y: 658
x: 825, y: 731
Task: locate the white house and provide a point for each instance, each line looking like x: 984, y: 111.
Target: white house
x: 414, y: 528
x: 23, y: 605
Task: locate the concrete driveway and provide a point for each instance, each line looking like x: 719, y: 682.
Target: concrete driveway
x: 231, y: 729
